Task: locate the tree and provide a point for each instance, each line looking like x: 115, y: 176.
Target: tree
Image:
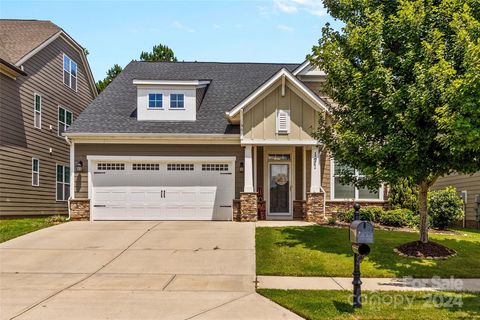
x: 112, y: 73
x: 406, y: 77
x: 159, y: 53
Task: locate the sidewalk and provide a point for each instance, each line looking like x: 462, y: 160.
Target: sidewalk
x: 373, y: 284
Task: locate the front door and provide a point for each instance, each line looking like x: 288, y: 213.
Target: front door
x: 279, y: 189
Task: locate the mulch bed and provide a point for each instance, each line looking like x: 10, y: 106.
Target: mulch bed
x: 429, y: 250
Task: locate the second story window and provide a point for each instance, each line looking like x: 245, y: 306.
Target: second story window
x: 37, y: 111
x: 65, y: 118
x: 69, y: 72
x: 177, y: 101
x: 155, y: 100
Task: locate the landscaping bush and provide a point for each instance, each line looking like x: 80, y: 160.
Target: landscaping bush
x: 332, y: 221
x: 403, y: 195
x: 372, y: 214
x: 397, y: 218
x: 444, y: 207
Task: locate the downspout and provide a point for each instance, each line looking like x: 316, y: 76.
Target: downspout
x: 70, y: 143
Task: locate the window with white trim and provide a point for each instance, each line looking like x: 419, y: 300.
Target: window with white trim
x: 146, y: 166
x: 37, y: 111
x: 63, y: 182
x: 177, y: 101
x: 283, y: 121
x: 35, y: 172
x: 215, y: 167
x: 111, y: 166
x: 342, y: 191
x: 69, y: 72
x: 180, y: 167
x: 155, y: 100
x: 65, y: 119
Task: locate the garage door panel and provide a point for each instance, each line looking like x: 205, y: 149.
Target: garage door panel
x: 163, y: 194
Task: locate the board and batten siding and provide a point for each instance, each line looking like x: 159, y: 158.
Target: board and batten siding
x: 471, y: 183
x: 83, y: 150
x: 259, y: 121
x: 20, y: 140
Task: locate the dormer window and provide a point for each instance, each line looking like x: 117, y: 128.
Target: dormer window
x: 177, y: 101
x: 155, y: 100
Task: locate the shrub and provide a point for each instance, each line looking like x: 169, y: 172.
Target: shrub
x: 372, y: 214
x: 56, y: 219
x: 397, y: 218
x: 331, y: 221
x: 444, y: 207
x: 403, y: 195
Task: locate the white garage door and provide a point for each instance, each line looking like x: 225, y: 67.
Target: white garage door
x: 163, y: 190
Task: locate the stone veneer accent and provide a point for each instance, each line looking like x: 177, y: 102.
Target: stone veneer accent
x: 248, y: 206
x: 314, y: 207
x: 236, y: 210
x: 80, y: 209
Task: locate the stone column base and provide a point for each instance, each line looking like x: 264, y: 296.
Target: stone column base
x: 80, y: 209
x: 248, y: 206
x: 314, y: 210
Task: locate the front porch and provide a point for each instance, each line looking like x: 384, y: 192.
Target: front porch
x: 282, y: 182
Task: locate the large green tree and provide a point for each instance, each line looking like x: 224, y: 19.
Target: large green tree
x: 406, y: 77
x: 112, y: 73
x: 159, y: 53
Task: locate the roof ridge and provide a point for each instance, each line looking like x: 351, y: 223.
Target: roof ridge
x: 220, y: 62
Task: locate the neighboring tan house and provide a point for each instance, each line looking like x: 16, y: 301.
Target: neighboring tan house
x: 45, y: 82
x: 206, y: 141
x: 469, y: 185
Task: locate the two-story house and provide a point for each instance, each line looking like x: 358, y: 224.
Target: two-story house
x: 207, y: 141
x: 45, y: 83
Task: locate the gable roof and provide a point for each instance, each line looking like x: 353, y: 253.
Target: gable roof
x: 314, y: 98
x: 21, y: 39
x: 114, y: 110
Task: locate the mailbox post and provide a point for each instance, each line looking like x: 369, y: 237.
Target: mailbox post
x: 361, y: 234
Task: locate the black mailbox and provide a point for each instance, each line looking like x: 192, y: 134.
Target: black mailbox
x: 361, y: 232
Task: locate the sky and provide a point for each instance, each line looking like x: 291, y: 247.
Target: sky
x: 240, y: 31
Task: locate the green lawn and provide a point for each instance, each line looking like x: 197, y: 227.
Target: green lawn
x: 13, y: 228
x: 325, y: 251
x: 313, y: 304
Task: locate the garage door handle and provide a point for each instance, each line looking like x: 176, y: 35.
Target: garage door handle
x: 99, y: 205
x: 99, y: 172
x: 225, y: 206
x: 225, y: 173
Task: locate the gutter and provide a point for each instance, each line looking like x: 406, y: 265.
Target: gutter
x: 70, y: 197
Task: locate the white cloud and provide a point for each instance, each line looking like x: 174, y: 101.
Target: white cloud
x: 285, y: 28
x: 314, y: 7
x: 285, y: 5
x: 178, y: 25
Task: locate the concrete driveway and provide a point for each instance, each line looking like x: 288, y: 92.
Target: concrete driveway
x: 134, y: 270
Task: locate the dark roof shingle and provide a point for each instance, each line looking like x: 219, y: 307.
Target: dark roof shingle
x: 114, y: 110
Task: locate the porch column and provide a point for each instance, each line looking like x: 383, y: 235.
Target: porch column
x: 314, y: 206
x: 248, y: 187
x: 315, y: 171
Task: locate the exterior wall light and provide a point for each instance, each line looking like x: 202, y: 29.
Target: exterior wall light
x: 242, y: 167
x: 79, y: 166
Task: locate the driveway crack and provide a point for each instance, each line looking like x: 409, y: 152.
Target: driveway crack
x: 86, y: 277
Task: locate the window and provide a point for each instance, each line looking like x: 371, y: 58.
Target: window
x: 177, y: 101
x: 342, y: 191
x: 69, y: 72
x: 35, y: 172
x: 282, y: 157
x: 215, y: 167
x: 283, y: 121
x: 110, y: 166
x: 180, y: 167
x: 65, y: 118
x: 146, y: 166
x: 155, y: 100
x: 63, y: 182
x: 37, y: 111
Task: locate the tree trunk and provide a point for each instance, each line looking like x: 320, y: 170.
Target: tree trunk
x: 422, y: 209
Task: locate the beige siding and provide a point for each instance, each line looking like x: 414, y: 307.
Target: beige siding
x: 20, y: 141
x: 259, y: 121
x: 471, y: 183
x: 82, y: 150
